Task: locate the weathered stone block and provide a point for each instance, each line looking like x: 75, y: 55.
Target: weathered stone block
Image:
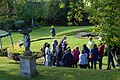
x: 27, y: 66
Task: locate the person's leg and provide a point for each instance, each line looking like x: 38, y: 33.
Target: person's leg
x: 109, y: 60
x: 76, y: 61
x: 100, y: 63
x: 91, y: 64
x: 53, y: 58
x: 113, y: 64
x: 88, y: 63
x: 95, y: 64
x: 81, y: 66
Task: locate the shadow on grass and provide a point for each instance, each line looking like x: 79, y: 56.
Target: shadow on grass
x: 15, y: 75
x: 16, y: 62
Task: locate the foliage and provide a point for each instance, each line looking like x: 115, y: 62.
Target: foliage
x: 13, y: 52
x: 75, y: 15
x: 9, y: 24
x: 16, y: 49
x: 19, y: 24
x: 106, y: 16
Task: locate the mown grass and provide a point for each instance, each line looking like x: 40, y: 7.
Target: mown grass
x: 10, y: 70
x: 45, y: 32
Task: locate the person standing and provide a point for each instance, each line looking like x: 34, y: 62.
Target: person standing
x: 76, y: 53
x: 94, y: 52
x: 64, y: 38
x: 110, y: 57
x: 100, y: 54
x: 83, y: 60
x: 59, y: 55
x: 53, y: 31
x: 54, y: 44
x: 48, y: 55
x: 90, y: 43
x: 86, y: 49
x: 43, y: 52
x: 68, y: 58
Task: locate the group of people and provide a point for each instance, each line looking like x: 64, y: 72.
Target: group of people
x: 62, y: 55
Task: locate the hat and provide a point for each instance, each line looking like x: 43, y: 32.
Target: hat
x: 55, y: 39
x: 90, y: 37
x: 52, y: 26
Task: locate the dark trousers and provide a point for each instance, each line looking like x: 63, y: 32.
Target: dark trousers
x: 100, y: 62
x: 53, y: 58
x: 75, y: 63
x: 110, y: 60
x: 93, y: 64
x: 83, y: 66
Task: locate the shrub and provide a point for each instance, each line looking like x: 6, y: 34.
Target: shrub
x: 19, y: 24
x: 9, y: 24
x: 3, y: 52
x: 17, y: 50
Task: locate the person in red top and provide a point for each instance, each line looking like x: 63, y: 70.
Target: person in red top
x: 100, y: 54
x: 76, y: 53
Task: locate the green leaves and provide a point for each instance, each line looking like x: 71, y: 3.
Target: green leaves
x: 75, y: 14
x: 105, y: 14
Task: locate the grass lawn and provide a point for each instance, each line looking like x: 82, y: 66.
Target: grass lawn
x: 45, y: 32
x: 10, y: 70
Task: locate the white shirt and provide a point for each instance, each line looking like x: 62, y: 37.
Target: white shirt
x: 83, y: 58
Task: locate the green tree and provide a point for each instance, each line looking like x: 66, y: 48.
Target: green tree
x: 105, y: 14
x: 25, y: 10
x: 75, y: 14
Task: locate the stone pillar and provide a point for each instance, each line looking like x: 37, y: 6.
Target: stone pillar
x: 27, y: 65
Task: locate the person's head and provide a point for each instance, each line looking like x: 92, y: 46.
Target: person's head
x: 76, y: 48
x: 64, y: 42
x: 64, y: 37
x: 45, y: 44
x: 48, y: 45
x: 95, y: 46
x: 82, y: 51
x: 68, y: 50
x: 55, y: 40
x: 90, y: 38
x: 84, y: 45
x: 101, y: 43
x: 52, y: 26
x: 59, y: 45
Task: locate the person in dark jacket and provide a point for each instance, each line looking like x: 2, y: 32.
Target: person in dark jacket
x: 43, y: 52
x: 64, y: 38
x: 68, y: 58
x: 59, y: 55
x: 53, y: 31
x: 86, y: 49
x: 94, y: 51
x: 54, y: 45
x: 110, y: 57
x: 100, y: 54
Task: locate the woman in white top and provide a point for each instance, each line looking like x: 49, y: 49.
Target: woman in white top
x: 48, y: 55
x: 83, y: 60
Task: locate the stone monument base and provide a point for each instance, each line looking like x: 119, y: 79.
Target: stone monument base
x: 28, y: 66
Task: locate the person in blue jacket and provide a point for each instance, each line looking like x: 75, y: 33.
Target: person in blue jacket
x: 53, y: 31
x: 94, y: 60
x: 68, y: 58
